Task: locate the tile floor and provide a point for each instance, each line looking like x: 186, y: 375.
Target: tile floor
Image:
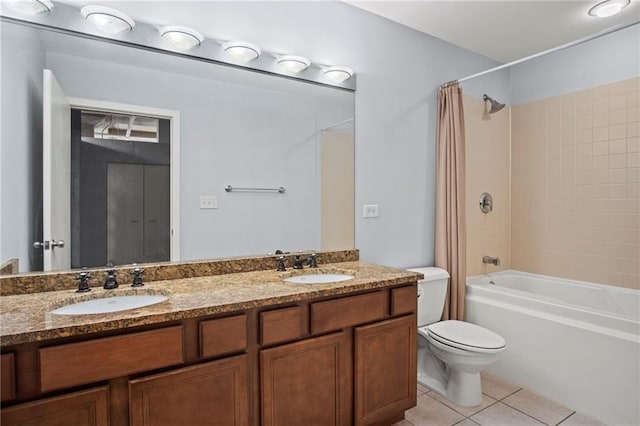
x: 503, y: 404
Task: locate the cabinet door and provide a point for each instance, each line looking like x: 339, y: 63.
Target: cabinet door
x: 215, y: 393
x: 385, y: 369
x: 305, y: 383
x: 86, y: 408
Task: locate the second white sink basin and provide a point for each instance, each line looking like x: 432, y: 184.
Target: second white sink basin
x: 110, y: 304
x: 318, y: 278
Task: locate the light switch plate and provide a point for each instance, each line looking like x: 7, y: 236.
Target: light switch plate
x: 370, y: 210
x: 208, y: 202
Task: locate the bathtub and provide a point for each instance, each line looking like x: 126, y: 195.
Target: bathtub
x: 573, y: 342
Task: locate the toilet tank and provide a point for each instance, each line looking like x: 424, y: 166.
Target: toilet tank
x: 432, y: 292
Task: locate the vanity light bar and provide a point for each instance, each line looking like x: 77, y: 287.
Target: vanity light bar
x: 114, y: 24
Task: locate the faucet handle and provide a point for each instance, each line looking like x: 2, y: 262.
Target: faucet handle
x: 110, y: 282
x: 83, y: 282
x: 312, y: 260
x: 137, y: 277
x: 280, y: 264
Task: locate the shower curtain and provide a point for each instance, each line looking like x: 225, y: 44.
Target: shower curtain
x: 450, y: 249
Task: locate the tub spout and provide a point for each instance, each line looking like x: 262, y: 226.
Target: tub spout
x: 489, y: 259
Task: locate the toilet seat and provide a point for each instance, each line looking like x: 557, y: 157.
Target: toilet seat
x: 464, y: 336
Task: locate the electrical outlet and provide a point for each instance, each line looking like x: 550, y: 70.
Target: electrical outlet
x: 370, y: 210
x: 208, y: 202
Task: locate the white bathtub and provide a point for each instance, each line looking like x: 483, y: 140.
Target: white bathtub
x: 573, y: 342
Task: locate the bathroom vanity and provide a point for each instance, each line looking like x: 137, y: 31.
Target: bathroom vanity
x: 225, y: 348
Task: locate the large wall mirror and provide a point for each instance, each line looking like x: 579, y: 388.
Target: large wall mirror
x: 224, y: 127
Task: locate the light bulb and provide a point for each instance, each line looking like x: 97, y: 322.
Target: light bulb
x: 109, y: 21
x: 29, y: 7
x: 242, y: 51
x: 338, y: 74
x: 182, y: 37
x: 293, y: 64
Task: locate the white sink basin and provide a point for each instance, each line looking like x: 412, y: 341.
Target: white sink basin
x: 110, y: 304
x: 318, y: 278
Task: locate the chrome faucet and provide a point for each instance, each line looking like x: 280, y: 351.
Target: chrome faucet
x: 489, y: 259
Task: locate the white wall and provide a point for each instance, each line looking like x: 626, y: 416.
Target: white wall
x: 604, y: 60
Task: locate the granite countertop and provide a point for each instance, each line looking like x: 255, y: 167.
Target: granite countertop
x: 27, y: 318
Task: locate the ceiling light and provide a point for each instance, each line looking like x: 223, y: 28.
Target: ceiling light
x: 29, y: 7
x: 608, y: 8
x: 182, y: 37
x: 294, y: 64
x: 108, y: 20
x: 242, y: 51
x: 338, y: 74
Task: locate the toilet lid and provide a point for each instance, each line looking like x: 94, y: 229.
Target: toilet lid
x: 466, y: 334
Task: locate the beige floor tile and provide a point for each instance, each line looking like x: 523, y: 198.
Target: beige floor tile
x: 402, y: 423
x: 578, y: 419
x: 536, y: 406
x: 422, y: 389
x: 465, y: 411
x: 503, y: 415
x: 430, y: 412
x: 467, y: 422
x: 496, y: 387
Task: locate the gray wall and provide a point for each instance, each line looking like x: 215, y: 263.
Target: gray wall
x: 19, y: 149
x: 604, y: 60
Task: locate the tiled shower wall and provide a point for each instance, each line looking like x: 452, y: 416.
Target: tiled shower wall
x: 575, y: 185
x: 487, y: 170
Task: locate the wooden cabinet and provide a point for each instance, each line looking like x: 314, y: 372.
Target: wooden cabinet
x: 306, y: 383
x: 85, y: 408
x: 349, y: 359
x: 7, y: 374
x: 214, y: 393
x: 385, y: 369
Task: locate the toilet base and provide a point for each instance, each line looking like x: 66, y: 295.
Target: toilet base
x: 464, y: 389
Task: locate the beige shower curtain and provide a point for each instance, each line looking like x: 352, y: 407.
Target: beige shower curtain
x: 450, y: 250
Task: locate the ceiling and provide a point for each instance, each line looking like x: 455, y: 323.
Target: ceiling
x: 501, y: 30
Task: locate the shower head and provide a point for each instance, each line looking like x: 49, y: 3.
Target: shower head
x: 495, y: 105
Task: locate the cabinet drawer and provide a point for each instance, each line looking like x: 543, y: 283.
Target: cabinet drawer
x: 404, y: 300
x: 8, y: 376
x: 282, y: 325
x: 348, y: 311
x: 222, y: 336
x: 102, y: 359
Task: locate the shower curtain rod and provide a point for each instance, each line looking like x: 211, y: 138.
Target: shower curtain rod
x: 545, y: 52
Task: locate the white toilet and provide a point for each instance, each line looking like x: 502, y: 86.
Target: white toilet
x: 451, y: 354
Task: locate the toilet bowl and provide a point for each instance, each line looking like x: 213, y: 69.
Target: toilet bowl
x: 451, y: 354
